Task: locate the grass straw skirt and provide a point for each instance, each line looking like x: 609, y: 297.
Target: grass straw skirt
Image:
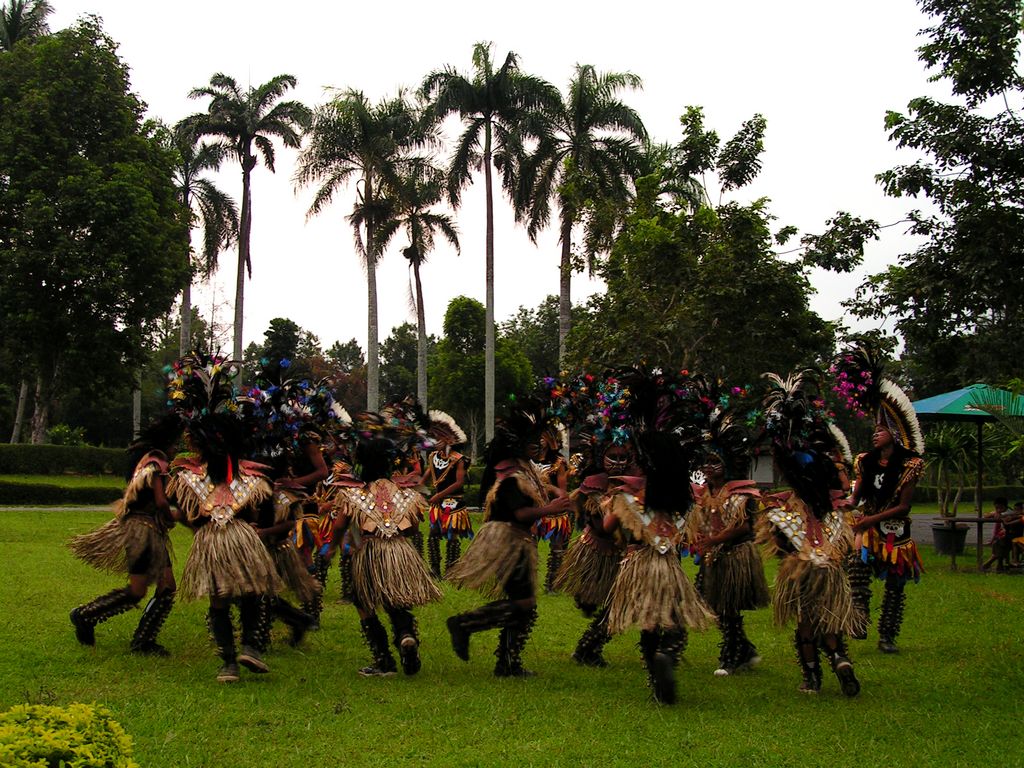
x: 493, y: 557
x: 589, y: 569
x: 228, y: 561
x: 389, y: 572
x: 293, y: 572
x: 734, y: 580
x: 815, y: 594
x: 123, y: 541
x: 652, y: 592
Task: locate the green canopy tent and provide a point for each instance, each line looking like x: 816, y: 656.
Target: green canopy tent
x: 977, y: 403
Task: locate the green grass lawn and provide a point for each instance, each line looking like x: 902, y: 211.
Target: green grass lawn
x: 951, y: 698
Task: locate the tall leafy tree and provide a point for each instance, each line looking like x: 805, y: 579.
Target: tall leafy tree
x: 207, y: 206
x: 350, y: 138
x: 588, y: 162
x: 457, y: 364
x: 23, y: 20
x: 501, y: 108
x: 93, y: 239
x: 247, y: 121
x: 700, y: 286
x: 420, y: 191
x: 956, y: 299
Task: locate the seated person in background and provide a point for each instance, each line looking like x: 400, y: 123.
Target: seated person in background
x: 1001, y: 543
x: 1015, y: 532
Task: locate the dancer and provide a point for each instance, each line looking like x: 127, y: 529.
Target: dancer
x: 807, y: 532
x: 546, y: 454
x: 885, y: 478
x: 136, y: 542
x: 721, y: 532
x: 502, y: 560
x: 446, y: 475
x: 387, y: 571
x: 220, y: 496
x: 651, y: 591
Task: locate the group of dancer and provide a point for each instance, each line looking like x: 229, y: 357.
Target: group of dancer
x: 276, y: 481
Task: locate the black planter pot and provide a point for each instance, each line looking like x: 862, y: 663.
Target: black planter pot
x: 949, y: 540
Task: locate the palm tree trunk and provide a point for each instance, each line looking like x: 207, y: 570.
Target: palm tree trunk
x: 372, y: 346
x: 243, y: 260
x: 489, y: 302
x: 565, y: 289
x: 185, y: 337
x: 19, y: 416
x: 421, y: 340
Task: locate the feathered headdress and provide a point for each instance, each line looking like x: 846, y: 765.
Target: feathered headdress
x: 443, y: 429
x: 201, y: 390
x: 862, y: 387
x: 797, y: 423
x: 725, y: 431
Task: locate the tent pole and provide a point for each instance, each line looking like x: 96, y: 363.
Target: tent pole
x: 977, y: 492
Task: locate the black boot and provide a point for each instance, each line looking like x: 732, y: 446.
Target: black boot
x: 810, y: 664
x: 347, y: 585
x: 417, y: 540
x: 660, y: 650
x: 299, y: 622
x: 313, y: 609
x: 746, y: 651
x: 843, y: 667
x: 156, y: 612
x: 511, y: 643
x: 250, y: 610
x: 407, y: 640
x: 728, y: 648
x: 891, y: 618
x: 434, y: 554
x: 460, y: 627
x: 452, y: 552
x: 555, y: 556
x: 260, y: 636
x: 589, y: 648
x: 860, y: 586
x: 377, y: 638
x: 86, y: 617
x: 219, y: 622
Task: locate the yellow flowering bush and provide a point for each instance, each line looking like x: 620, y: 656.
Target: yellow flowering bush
x: 76, y: 736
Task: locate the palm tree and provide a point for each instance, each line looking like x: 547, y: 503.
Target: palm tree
x: 23, y: 20
x: 420, y: 191
x: 240, y: 119
x: 590, y: 158
x: 207, y: 205
x: 500, y: 108
x: 349, y: 137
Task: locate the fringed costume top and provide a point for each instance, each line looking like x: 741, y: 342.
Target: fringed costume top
x: 387, y: 570
x: 887, y: 545
x: 811, y: 586
x: 651, y: 590
x: 227, y: 558
x: 135, y: 540
x: 504, y: 547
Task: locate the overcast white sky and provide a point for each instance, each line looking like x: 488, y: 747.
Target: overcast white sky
x: 823, y: 75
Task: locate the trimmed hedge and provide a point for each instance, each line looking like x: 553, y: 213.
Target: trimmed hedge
x: 927, y: 494
x: 44, y: 494
x: 24, y: 459
x: 80, y: 735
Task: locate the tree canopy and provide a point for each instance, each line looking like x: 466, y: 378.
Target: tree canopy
x: 93, y: 240
x: 956, y: 299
